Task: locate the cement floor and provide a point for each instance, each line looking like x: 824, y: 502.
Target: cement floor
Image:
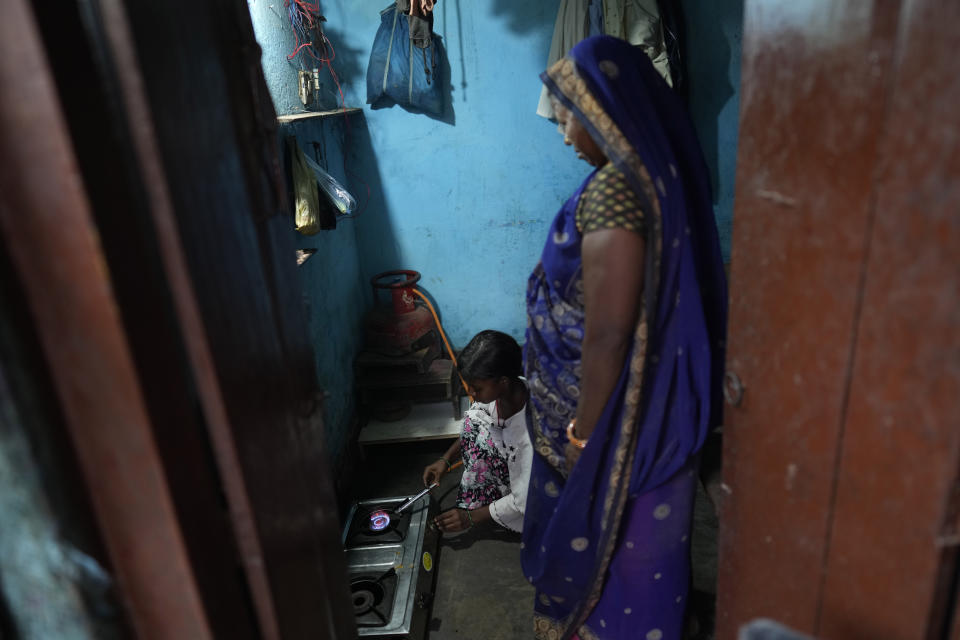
x: 481, y: 592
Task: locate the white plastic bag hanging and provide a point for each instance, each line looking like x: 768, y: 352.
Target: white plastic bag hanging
x: 340, y: 197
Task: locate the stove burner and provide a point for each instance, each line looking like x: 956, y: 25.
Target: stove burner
x: 379, y: 520
x: 362, y: 601
x: 366, y: 595
x: 362, y: 529
x: 369, y: 606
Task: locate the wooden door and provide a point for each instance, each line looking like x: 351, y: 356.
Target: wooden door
x: 842, y: 456
x: 142, y: 205
x: 48, y: 233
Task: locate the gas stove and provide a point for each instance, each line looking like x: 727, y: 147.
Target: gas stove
x: 391, y: 604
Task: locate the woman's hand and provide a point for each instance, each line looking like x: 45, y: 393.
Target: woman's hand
x: 453, y: 521
x: 432, y: 473
x: 571, y: 454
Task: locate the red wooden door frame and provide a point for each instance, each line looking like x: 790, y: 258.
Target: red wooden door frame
x: 800, y: 219
x: 894, y: 535
x: 202, y: 183
x: 841, y: 463
x: 48, y: 230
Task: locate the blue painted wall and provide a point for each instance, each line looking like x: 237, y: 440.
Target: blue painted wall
x: 714, y: 31
x: 272, y: 29
x: 464, y: 198
x: 332, y: 286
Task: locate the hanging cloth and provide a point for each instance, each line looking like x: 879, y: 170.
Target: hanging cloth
x: 595, y: 17
x: 573, y: 25
x: 636, y: 21
x: 420, y: 19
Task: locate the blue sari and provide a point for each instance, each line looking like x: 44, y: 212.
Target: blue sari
x: 607, y: 548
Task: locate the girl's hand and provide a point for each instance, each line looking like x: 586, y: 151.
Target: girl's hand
x: 432, y: 473
x: 453, y: 521
x: 571, y: 454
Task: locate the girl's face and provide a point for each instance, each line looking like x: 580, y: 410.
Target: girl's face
x: 576, y: 136
x: 486, y: 390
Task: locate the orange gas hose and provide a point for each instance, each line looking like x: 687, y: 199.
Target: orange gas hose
x: 445, y: 342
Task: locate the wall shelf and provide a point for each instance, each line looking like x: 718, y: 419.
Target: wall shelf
x: 431, y: 421
x: 294, y: 117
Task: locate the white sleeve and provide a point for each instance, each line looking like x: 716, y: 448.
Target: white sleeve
x: 508, y: 510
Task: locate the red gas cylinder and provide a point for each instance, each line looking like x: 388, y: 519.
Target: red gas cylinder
x: 404, y: 326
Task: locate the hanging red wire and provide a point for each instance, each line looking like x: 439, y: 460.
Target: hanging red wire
x: 309, y: 39
x: 311, y: 42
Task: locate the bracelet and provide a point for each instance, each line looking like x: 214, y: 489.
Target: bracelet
x: 470, y: 518
x: 447, y: 462
x: 574, y: 440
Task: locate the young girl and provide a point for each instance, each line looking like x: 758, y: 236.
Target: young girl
x: 493, y: 443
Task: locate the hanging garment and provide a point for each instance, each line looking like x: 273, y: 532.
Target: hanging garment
x: 671, y: 24
x: 420, y: 19
x: 636, y: 21
x: 595, y: 16
x: 573, y: 25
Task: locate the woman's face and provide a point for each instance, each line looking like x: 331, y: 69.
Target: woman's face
x: 574, y: 134
x: 486, y: 390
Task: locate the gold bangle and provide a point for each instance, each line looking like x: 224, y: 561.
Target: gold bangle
x: 574, y: 440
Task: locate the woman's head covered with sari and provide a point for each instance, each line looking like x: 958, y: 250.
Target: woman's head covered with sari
x: 668, y: 394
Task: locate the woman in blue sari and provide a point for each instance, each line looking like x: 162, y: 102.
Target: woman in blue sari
x: 623, y: 357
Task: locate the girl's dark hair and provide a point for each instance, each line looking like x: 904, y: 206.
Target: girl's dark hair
x: 490, y: 355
